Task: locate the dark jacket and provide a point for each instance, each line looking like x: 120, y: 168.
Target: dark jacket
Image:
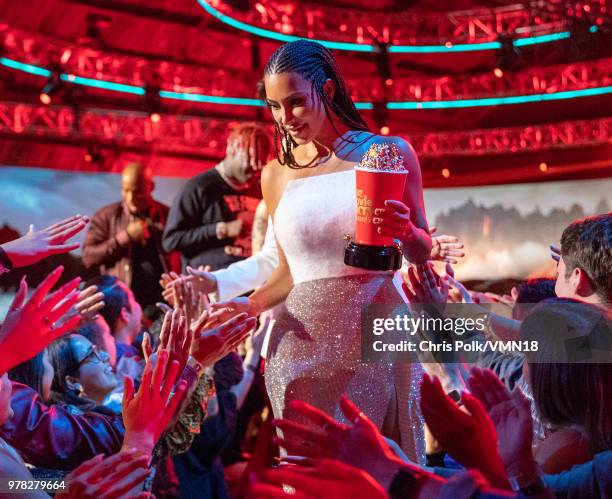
x: 50, y: 436
x: 192, y: 222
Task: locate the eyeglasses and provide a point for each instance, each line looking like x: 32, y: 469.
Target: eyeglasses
x: 93, y: 356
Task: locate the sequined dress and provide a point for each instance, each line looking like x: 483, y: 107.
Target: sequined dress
x: 314, y: 348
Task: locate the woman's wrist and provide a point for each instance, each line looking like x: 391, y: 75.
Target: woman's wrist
x: 416, y: 246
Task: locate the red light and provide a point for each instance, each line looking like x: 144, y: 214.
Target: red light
x: 498, y: 72
x: 587, y: 8
x: 543, y: 167
x: 384, y: 130
x: 448, y: 45
x: 389, y: 82
x: 88, y: 158
x: 155, y: 117
x: 45, y: 99
x: 445, y: 172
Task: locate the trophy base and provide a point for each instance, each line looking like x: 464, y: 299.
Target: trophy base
x: 369, y: 257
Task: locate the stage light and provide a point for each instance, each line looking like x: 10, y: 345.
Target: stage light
x: 448, y: 45
x: 49, y: 90
x: 498, y: 72
x: 446, y: 172
x: 384, y: 130
x: 389, y: 82
x: 155, y: 117
x: 88, y: 157
x: 543, y: 167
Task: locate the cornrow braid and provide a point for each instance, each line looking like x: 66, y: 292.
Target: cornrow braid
x: 316, y: 64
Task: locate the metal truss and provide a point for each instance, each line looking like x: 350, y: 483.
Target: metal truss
x: 165, y: 75
x: 514, y: 139
x: 206, y: 137
x: 355, y: 26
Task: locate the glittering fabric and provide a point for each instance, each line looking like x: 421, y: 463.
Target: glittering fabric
x: 314, y: 355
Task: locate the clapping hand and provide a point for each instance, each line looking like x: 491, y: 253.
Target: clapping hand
x: 510, y: 412
x: 32, y: 324
x: 39, y: 244
x: 467, y: 435
x: 358, y: 444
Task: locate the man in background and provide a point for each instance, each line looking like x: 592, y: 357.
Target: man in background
x: 211, y: 218
x: 124, y: 238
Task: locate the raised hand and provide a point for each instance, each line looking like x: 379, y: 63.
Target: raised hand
x: 445, y: 248
x: 90, y: 302
x: 116, y: 476
x: 423, y: 286
x: 329, y: 478
x: 510, y: 412
x: 146, y: 415
x: 359, y: 444
x: 212, y: 342
x: 467, y: 435
x: 204, y: 281
x: 32, y: 324
x: 176, y: 338
x: 166, y: 282
x: 39, y: 244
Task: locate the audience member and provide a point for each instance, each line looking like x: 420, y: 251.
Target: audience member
x: 124, y: 238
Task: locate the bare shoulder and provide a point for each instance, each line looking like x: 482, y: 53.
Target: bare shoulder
x: 273, y: 180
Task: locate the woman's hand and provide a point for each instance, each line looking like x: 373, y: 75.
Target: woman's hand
x: 39, y: 244
x: 110, y: 478
x: 32, y: 324
x: 146, y: 415
x: 328, y: 478
x: 468, y: 436
x: 230, y: 308
x: 394, y: 220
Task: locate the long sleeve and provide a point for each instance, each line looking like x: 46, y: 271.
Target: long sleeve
x: 245, y: 275
x: 52, y: 437
x: 101, y: 246
x: 184, y: 229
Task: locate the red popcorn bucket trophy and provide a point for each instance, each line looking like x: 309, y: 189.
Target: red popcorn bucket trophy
x: 380, y: 176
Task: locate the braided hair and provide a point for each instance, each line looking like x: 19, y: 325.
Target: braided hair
x: 316, y: 64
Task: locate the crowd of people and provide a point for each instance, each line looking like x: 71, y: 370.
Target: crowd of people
x: 161, y: 377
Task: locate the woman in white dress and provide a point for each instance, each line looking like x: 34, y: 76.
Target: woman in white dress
x: 314, y: 348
